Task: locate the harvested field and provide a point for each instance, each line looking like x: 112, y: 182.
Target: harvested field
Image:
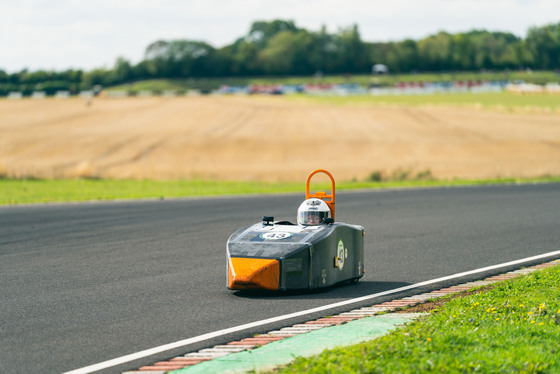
x: 268, y: 138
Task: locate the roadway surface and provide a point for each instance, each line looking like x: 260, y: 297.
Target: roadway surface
x: 84, y: 283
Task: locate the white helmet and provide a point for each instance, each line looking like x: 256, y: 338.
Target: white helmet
x: 312, y: 212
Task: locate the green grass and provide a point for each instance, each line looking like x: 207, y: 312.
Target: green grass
x: 513, y: 328
x: 500, y: 100
x: 19, y: 191
x: 22, y: 191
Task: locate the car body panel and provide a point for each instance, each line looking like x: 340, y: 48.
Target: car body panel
x: 309, y: 257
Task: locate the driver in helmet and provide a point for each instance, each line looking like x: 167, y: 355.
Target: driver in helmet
x: 312, y: 212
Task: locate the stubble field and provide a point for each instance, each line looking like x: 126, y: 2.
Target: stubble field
x: 269, y: 139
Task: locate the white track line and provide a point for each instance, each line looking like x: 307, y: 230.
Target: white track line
x: 215, y: 334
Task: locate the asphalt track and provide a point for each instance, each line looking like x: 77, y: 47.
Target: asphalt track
x: 85, y: 283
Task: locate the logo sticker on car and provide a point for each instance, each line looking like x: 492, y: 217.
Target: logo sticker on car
x: 341, y: 254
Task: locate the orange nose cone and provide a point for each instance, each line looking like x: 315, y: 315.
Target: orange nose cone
x: 253, y: 273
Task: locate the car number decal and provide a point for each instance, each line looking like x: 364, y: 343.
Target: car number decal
x: 276, y: 235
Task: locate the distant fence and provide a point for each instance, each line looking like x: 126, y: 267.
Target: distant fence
x: 87, y: 94
x: 525, y: 88
x: 15, y: 95
x: 428, y: 88
x: 401, y: 88
x: 321, y: 89
x: 62, y: 94
x: 114, y: 94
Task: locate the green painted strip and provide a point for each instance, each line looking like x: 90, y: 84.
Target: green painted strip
x: 308, y: 344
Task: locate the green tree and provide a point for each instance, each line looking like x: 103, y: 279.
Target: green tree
x: 493, y: 50
x: 179, y: 58
x: 95, y: 77
x: 463, y: 55
x: 262, y: 32
x: 122, y: 71
x: 352, y: 51
x: 544, y: 44
x: 434, y: 52
x: 280, y: 47
x: 322, y: 51
x: 399, y: 57
x: 287, y: 53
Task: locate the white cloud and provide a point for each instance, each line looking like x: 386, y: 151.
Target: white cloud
x: 59, y: 34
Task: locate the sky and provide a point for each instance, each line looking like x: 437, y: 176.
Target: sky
x: 88, y: 34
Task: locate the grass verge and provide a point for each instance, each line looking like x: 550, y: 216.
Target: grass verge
x: 512, y: 328
x: 505, y: 101
x: 21, y: 191
x: 25, y: 191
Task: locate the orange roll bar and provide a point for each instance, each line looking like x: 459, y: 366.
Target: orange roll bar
x: 320, y: 194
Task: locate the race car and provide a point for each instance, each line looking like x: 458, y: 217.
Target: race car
x: 316, y: 252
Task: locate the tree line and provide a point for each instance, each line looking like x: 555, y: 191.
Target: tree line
x: 280, y: 48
